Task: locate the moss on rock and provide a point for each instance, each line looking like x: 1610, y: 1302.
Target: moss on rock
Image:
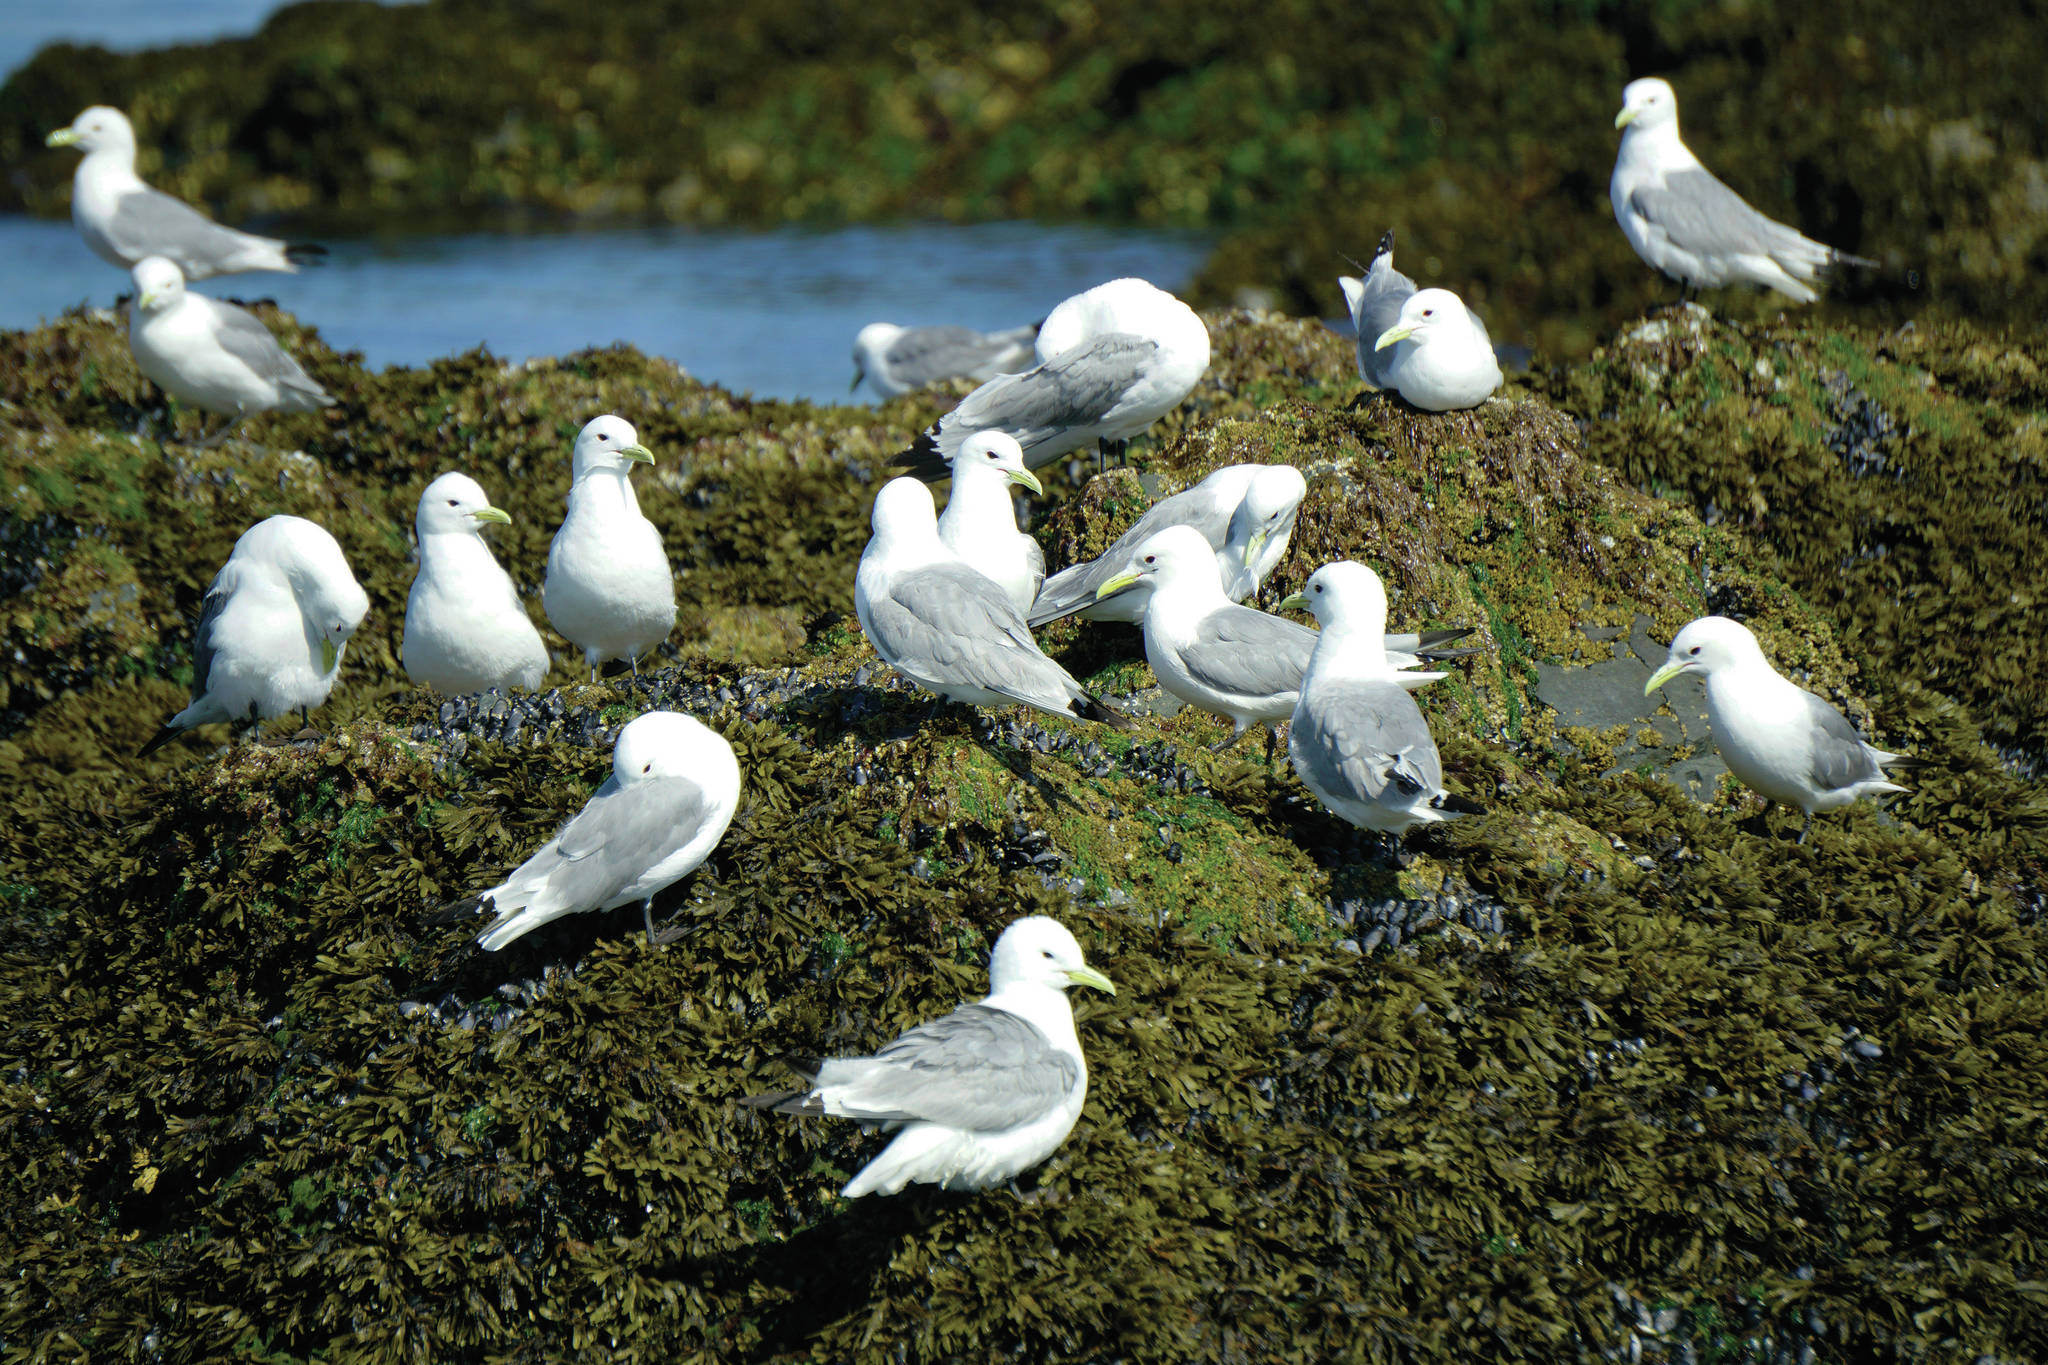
x: 1599, y: 1071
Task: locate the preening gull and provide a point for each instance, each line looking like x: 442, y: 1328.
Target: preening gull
x: 272, y: 628
x: 213, y: 355
x: 1112, y: 361
x: 1245, y: 512
x: 948, y: 628
x: 896, y: 360
x: 1232, y: 661
x: 609, y: 589
x: 976, y: 1097
x: 1776, y: 737
x: 124, y: 220
x: 672, y: 792
x: 1357, y: 739
x: 1682, y: 220
x: 980, y: 522
x: 465, y: 628
x: 1424, y: 344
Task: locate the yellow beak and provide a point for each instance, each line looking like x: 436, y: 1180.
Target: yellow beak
x: 858, y: 375
x: 1671, y: 669
x: 148, y: 297
x: 1293, y: 602
x: 1251, y: 547
x: 63, y: 137
x: 1116, y: 585
x: 1392, y: 335
x: 1625, y: 118
x: 1088, y: 976
x: 330, y: 655
x: 493, y: 514
x: 1027, y: 479
x: 637, y: 454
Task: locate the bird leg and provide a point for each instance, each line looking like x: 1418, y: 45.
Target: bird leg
x: 1805, y: 829
x: 1270, y: 741
x: 1102, y: 445
x: 1220, y: 745
x: 209, y: 442
x: 647, y: 918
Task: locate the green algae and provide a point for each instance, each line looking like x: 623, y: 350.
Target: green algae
x: 260, y: 1105
x: 1481, y: 133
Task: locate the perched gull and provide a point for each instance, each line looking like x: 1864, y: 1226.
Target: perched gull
x: 1246, y: 513
x: 465, y: 627
x: 213, y: 355
x: 948, y: 628
x: 897, y: 360
x: 124, y: 220
x: 272, y: 628
x: 609, y: 589
x: 1682, y: 220
x: 1112, y: 361
x: 1424, y: 344
x: 1778, y: 738
x: 672, y: 792
x: 1357, y: 738
x: 980, y: 523
x: 978, y: 1096
x: 1232, y: 661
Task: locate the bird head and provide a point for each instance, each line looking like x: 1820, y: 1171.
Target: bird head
x: 997, y: 451
x: 1040, y: 952
x: 158, y: 283
x: 608, y: 443
x: 99, y: 128
x: 1704, y: 647
x: 455, y: 504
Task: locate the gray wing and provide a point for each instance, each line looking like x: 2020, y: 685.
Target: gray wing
x: 151, y: 223
x: 1034, y: 562
x: 1074, y: 587
x: 925, y: 355
x: 1702, y: 215
x: 618, y: 836
x: 249, y: 341
x: 978, y: 1068
x: 1840, y: 757
x: 949, y: 624
x: 1378, y: 307
x: 202, y: 637
x: 1249, y: 653
x: 1076, y: 388
x: 1361, y: 736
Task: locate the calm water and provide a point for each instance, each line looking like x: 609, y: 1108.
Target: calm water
x: 123, y: 25
x: 770, y: 312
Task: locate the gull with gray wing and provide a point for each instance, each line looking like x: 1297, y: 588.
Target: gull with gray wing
x: 947, y: 627
x: 124, y: 221
x: 1356, y: 738
x: 895, y: 360
x: 609, y: 589
x: 1684, y: 222
x: 980, y: 522
x: 672, y: 792
x: 1424, y: 344
x: 1246, y: 514
x: 1780, y: 740
x: 976, y: 1097
x: 1232, y: 661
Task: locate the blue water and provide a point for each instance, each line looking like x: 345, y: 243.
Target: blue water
x: 769, y: 312
x: 123, y: 25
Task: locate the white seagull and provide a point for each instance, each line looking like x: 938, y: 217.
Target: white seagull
x: 947, y: 627
x: 1779, y: 739
x: 213, y: 355
x: 272, y: 628
x: 1357, y: 739
x: 980, y: 522
x: 1112, y: 361
x: 1245, y: 512
x: 895, y: 360
x: 976, y: 1097
x: 1231, y: 661
x: 1424, y: 344
x: 124, y: 220
x: 609, y: 588
x: 672, y: 792
x: 1683, y: 221
x: 465, y: 628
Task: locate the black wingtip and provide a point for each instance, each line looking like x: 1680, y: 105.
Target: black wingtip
x: 1458, y: 805
x: 1385, y: 248
x: 1091, y: 707
x: 923, y: 460
x: 158, y: 740
x: 305, y: 253
x: 466, y: 908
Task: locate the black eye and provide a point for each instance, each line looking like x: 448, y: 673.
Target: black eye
x: 602, y: 437
x: 451, y: 502
x: 1047, y: 956
x: 1151, y: 559
x: 648, y: 768
x: 1319, y: 587
x: 1429, y: 312
x: 1694, y: 650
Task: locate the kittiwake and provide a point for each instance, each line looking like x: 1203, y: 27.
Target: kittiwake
x: 980, y: 522
x: 976, y: 1097
x: 895, y: 360
x: 1424, y: 344
x: 609, y: 589
x: 465, y: 628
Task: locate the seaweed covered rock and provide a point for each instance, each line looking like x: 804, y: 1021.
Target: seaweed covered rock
x: 1603, y: 1072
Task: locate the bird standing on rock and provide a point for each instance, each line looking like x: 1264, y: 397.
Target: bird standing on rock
x: 465, y: 628
x: 609, y: 588
x: 1780, y: 740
